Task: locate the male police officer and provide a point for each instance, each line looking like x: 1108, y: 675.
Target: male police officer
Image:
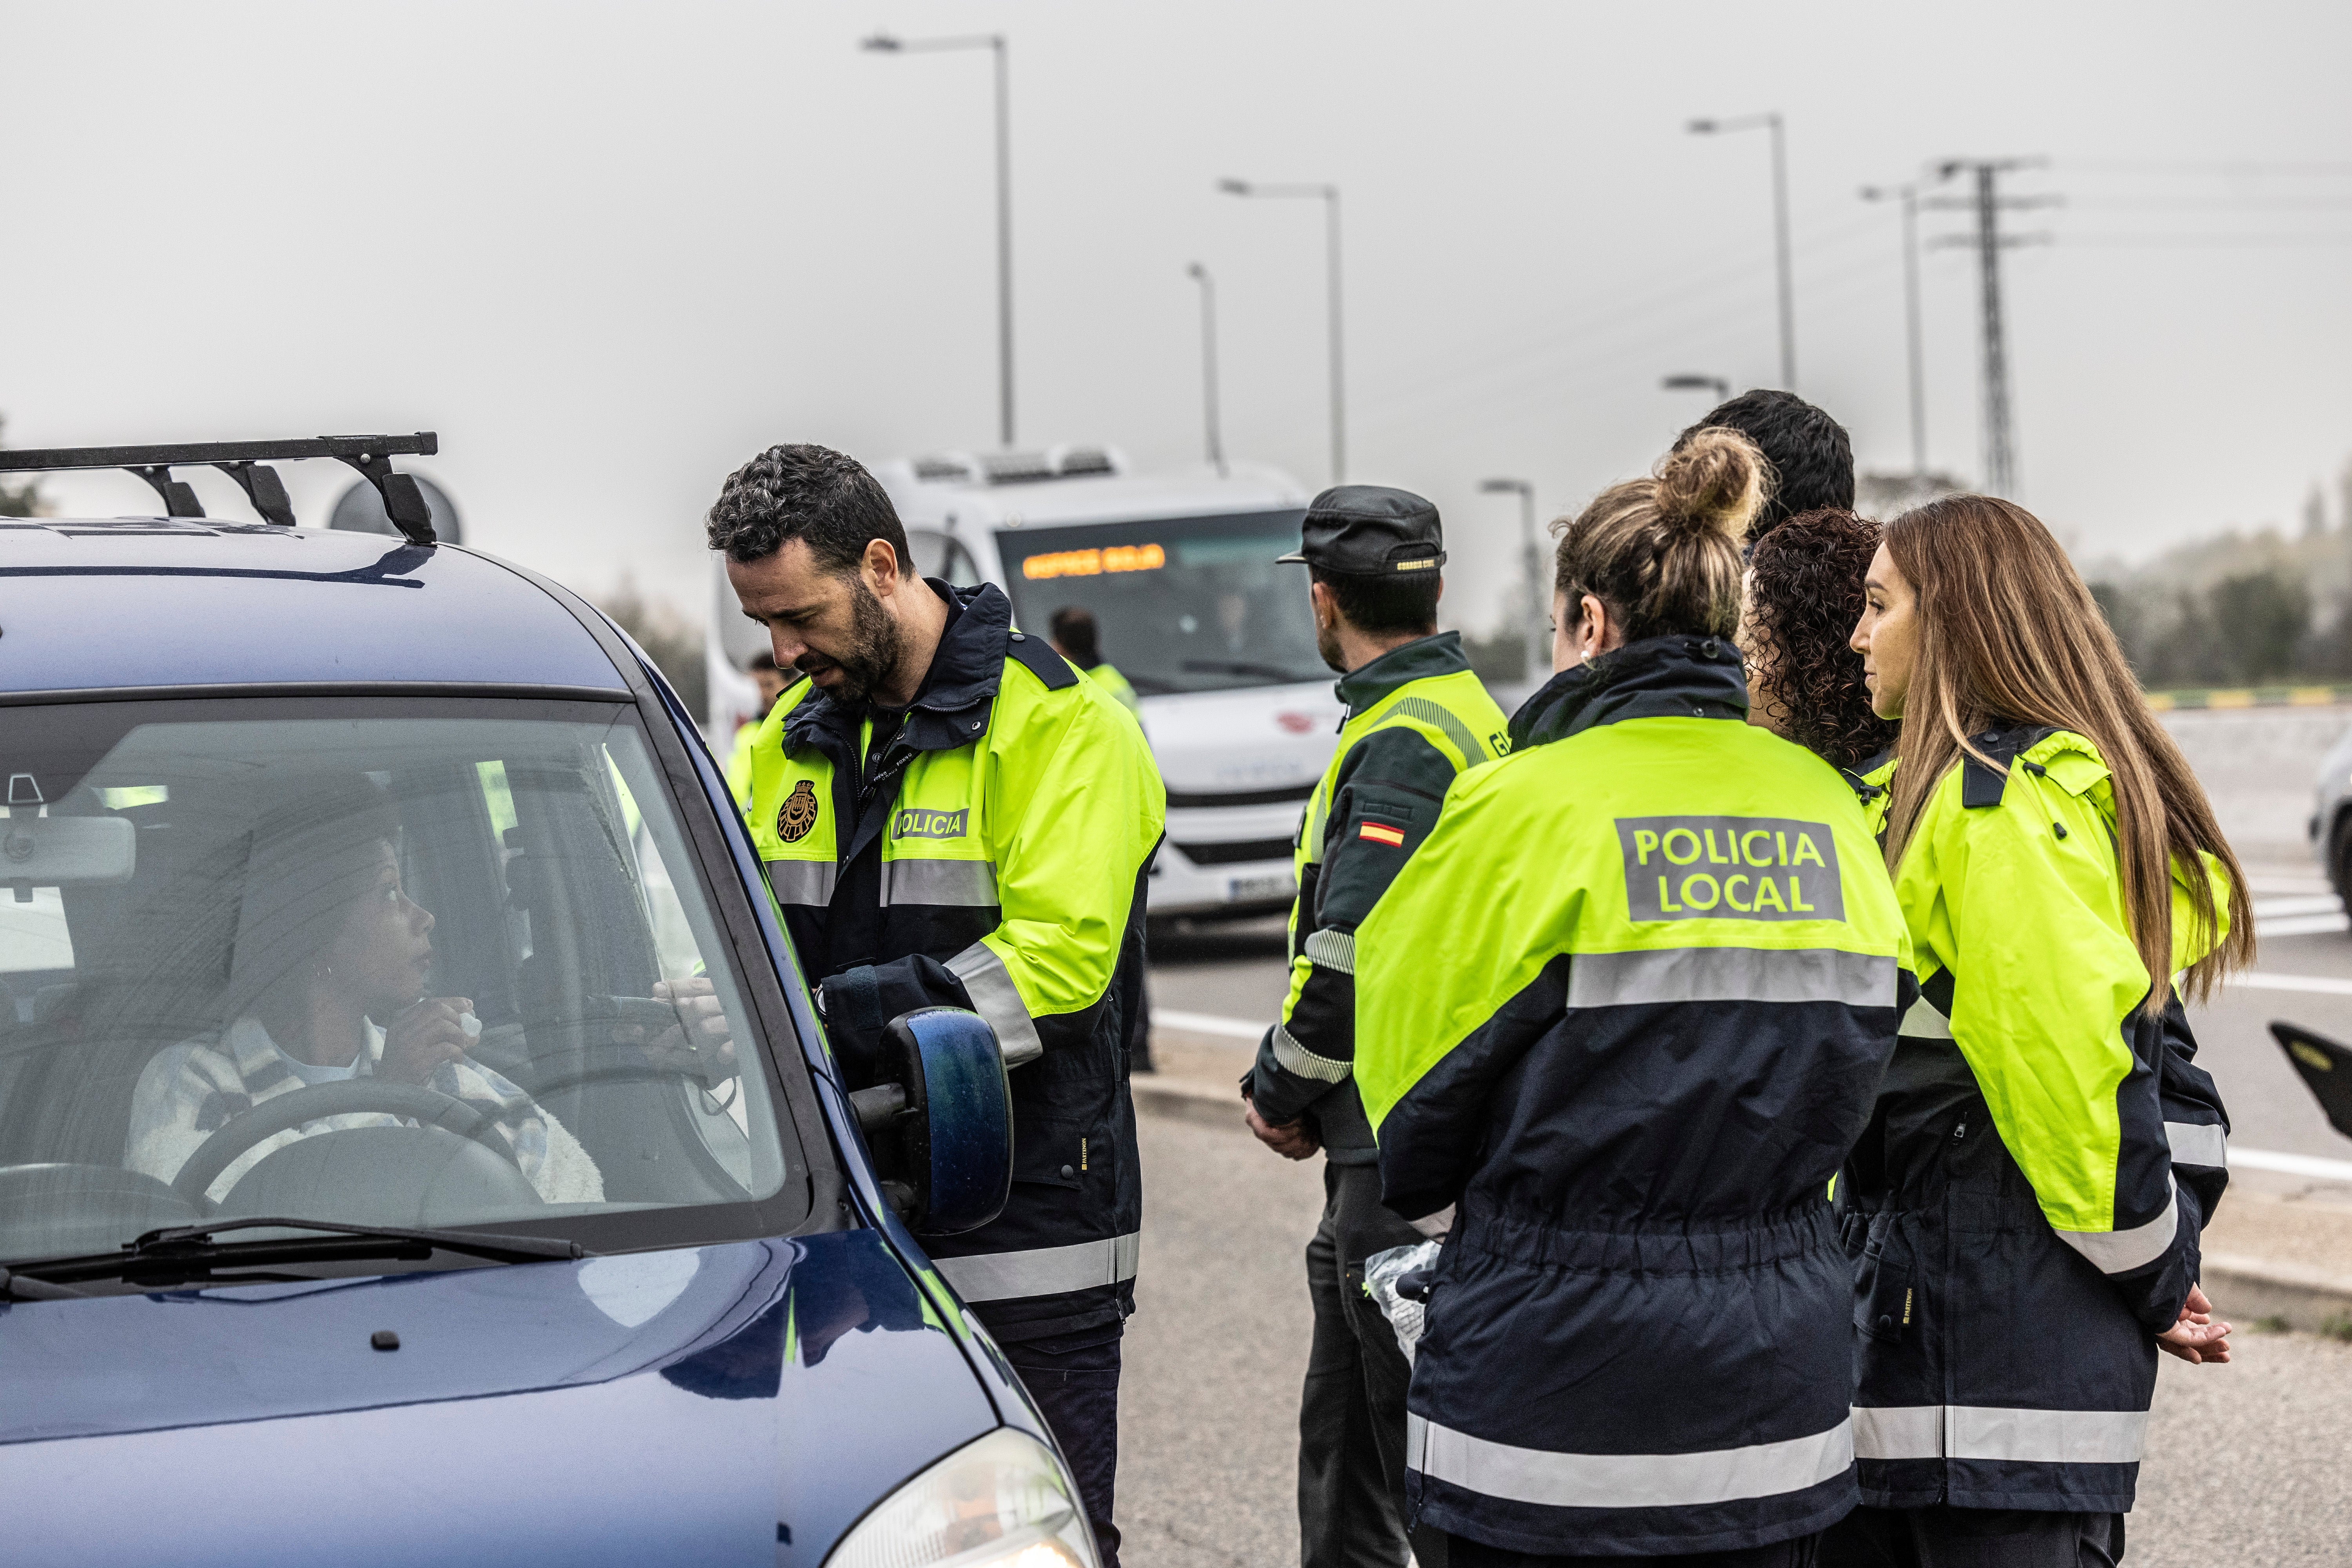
x: 1416, y: 716
x: 950, y: 815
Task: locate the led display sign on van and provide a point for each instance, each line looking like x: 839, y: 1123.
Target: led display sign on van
x: 1095, y: 562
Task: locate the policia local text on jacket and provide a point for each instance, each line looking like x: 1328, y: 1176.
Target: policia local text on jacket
x: 1417, y: 717
x: 1672, y: 965
x: 2025, y: 1206
x: 988, y: 852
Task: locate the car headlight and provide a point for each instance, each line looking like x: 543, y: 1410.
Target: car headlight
x: 1001, y: 1502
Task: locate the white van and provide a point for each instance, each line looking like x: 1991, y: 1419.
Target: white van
x: 1179, y: 570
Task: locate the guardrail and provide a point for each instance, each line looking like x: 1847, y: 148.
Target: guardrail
x: 2250, y: 697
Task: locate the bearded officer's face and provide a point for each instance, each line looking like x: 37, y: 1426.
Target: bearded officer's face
x: 835, y: 627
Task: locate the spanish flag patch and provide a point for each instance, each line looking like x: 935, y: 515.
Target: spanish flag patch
x: 1379, y: 834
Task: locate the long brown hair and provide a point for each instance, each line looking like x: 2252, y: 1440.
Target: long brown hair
x: 2007, y: 632
x: 1663, y: 553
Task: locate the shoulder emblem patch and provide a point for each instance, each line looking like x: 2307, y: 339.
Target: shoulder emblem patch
x: 799, y: 814
x: 1380, y: 834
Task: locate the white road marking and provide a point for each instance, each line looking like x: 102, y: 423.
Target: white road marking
x: 2291, y: 1164
x: 2314, y: 904
x: 2306, y: 915
x: 1206, y: 1023
x: 2321, y: 984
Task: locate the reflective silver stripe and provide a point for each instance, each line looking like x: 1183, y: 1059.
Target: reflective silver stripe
x: 1898, y: 1431
x: 963, y: 884
x: 2198, y: 1143
x: 1047, y: 1271
x: 1297, y: 1058
x: 2121, y: 1251
x: 2049, y: 1437
x: 1924, y: 1023
x: 801, y: 881
x: 1625, y: 1481
x: 1982, y: 1432
x: 1334, y: 949
x: 1730, y: 974
x: 995, y: 998
x: 1445, y: 721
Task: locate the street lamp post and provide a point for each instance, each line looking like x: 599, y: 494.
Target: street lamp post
x: 890, y: 43
x: 1780, y: 224
x: 1716, y: 384
x: 1539, y: 661
x: 1200, y: 274
x: 1329, y: 196
x: 1909, y: 193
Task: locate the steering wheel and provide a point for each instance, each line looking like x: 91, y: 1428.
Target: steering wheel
x: 314, y: 1101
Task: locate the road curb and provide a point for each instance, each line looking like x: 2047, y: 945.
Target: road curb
x: 2245, y: 1288
x: 1183, y: 1101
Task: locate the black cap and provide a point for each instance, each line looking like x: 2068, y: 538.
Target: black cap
x: 1362, y: 530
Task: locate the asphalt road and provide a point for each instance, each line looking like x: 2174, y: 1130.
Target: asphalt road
x: 2247, y: 1464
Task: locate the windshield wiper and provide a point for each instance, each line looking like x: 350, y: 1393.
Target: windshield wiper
x: 1244, y: 666
x: 179, y: 1254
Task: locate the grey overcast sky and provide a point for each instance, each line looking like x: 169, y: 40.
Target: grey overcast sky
x: 608, y: 251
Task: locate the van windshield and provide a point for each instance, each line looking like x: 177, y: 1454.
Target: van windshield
x: 1193, y: 603
x: 372, y: 961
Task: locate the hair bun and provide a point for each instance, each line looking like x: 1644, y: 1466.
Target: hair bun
x: 1716, y: 481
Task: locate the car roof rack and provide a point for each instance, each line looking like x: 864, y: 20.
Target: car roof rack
x: 243, y: 460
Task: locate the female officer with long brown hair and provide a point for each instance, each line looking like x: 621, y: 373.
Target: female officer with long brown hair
x: 2026, y: 1204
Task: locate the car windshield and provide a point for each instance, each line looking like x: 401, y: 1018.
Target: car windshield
x: 390, y: 962
x: 1192, y: 603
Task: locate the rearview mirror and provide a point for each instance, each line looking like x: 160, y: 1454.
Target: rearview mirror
x: 943, y: 1133
x: 66, y: 852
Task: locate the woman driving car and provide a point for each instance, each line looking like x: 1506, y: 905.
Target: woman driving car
x: 327, y: 983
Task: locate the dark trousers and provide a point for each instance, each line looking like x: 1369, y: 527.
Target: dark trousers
x: 1947, y: 1536
x: 1796, y: 1554
x: 1351, y: 1506
x: 1074, y: 1378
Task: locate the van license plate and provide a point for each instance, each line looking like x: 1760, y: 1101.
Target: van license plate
x: 1251, y: 889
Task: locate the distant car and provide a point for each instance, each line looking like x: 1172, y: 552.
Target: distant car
x: 294, y: 817
x: 2331, y: 817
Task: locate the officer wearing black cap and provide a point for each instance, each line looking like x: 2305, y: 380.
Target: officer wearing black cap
x: 1416, y: 716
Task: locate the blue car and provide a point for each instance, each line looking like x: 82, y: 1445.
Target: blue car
x: 416, y: 1142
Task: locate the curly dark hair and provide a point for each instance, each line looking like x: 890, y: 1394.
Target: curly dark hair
x: 1812, y: 459
x: 1804, y: 595
x: 806, y: 492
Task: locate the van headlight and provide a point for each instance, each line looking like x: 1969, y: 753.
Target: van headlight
x: 1001, y: 1502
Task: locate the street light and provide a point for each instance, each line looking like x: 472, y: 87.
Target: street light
x: 1716, y: 384
x: 1909, y: 193
x: 890, y: 43
x: 1329, y: 196
x: 1780, y: 224
x: 1539, y: 663
x: 1200, y: 274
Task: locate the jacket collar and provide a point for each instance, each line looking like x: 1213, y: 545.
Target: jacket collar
x: 1676, y: 677
x: 951, y: 708
x: 1416, y: 660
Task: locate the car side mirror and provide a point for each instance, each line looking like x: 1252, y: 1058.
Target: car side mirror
x: 942, y: 1133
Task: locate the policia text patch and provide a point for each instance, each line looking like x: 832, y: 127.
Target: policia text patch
x: 1730, y: 867
x: 918, y: 823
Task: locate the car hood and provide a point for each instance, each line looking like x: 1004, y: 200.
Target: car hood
x: 738, y: 1403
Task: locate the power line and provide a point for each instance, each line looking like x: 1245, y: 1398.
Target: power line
x: 2217, y: 169
x: 1987, y: 204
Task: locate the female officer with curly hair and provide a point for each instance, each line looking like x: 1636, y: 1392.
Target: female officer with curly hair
x: 1804, y: 684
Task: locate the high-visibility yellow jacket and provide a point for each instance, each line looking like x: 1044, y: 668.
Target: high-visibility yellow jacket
x: 1417, y: 716
x: 1627, y: 1009
x: 1111, y: 680
x: 2042, y: 1156
x: 739, y: 763
x: 988, y: 852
